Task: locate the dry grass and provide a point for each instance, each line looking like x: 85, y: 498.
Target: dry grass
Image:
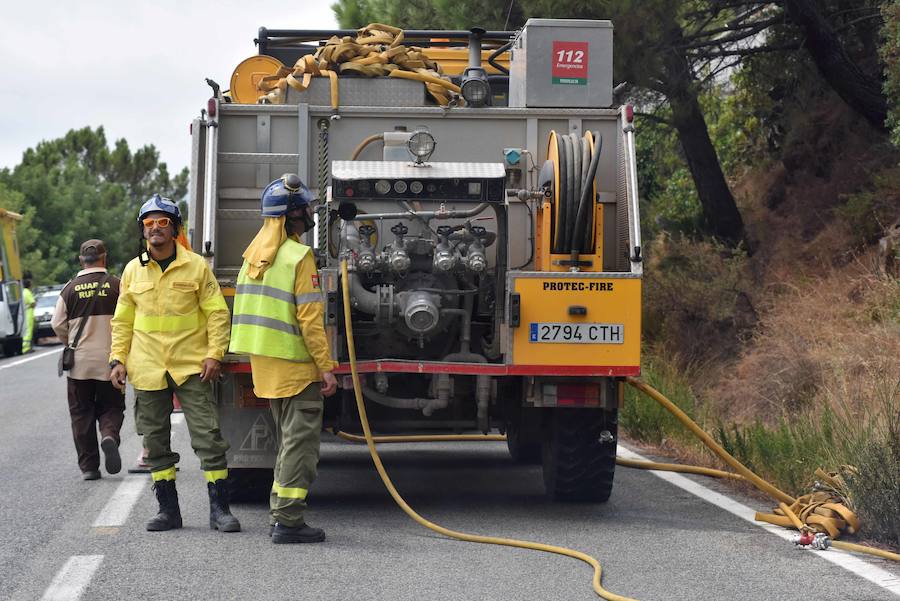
x: 836, y: 337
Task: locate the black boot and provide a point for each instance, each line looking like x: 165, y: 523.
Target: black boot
x: 220, y: 517
x: 169, y: 516
x: 303, y: 533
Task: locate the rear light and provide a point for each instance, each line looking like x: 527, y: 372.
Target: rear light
x: 571, y: 395
x: 211, y: 107
x: 629, y: 113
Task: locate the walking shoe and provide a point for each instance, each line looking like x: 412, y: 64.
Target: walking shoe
x: 220, y: 517
x: 303, y: 533
x: 169, y: 516
x: 111, y: 453
x: 91, y: 475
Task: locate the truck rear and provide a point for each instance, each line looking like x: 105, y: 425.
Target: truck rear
x: 492, y: 238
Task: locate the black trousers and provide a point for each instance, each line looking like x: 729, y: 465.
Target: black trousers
x: 93, y: 402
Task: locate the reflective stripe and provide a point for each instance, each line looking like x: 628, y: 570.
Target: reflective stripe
x: 285, y: 492
x: 166, y: 323
x: 265, y: 322
x: 166, y: 474
x: 124, y: 311
x: 213, y: 475
x: 309, y: 297
x: 213, y: 303
x: 263, y: 290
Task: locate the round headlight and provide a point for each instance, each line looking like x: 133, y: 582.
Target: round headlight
x: 400, y: 186
x: 421, y: 145
x: 416, y: 187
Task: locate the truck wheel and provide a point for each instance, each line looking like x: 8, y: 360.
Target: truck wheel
x: 579, y: 454
x: 522, y: 448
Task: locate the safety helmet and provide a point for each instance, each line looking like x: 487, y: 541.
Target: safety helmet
x: 161, y: 204
x: 285, y: 194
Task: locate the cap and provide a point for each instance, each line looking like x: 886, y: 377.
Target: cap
x: 92, y: 247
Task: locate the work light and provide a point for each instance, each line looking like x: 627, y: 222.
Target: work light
x: 421, y: 145
x: 475, y: 87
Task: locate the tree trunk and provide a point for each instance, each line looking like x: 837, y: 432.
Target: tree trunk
x: 861, y: 92
x: 720, y: 212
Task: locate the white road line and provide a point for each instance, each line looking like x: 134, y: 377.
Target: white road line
x: 32, y: 358
x: 854, y: 563
x: 117, y: 509
x: 71, y: 580
x: 177, y: 419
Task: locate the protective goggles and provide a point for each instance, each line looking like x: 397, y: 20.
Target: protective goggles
x: 150, y: 222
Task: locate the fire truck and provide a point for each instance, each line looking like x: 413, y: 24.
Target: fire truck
x: 482, y: 188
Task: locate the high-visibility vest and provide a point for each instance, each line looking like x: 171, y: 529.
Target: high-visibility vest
x: 264, y: 320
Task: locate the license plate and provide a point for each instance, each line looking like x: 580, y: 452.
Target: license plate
x: 578, y: 333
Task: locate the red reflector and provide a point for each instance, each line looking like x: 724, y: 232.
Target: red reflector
x: 577, y: 394
x: 348, y: 192
x: 629, y: 113
x: 211, y: 107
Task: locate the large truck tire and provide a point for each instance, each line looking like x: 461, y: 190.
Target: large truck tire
x: 579, y: 454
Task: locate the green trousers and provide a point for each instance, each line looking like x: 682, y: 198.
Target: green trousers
x: 153, y: 411
x: 298, y: 421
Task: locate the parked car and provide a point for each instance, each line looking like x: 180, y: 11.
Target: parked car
x: 45, y: 303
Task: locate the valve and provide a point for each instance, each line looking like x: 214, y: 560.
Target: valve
x: 398, y: 259
x: 475, y: 257
x: 809, y: 539
x: 401, y: 230
x: 365, y: 260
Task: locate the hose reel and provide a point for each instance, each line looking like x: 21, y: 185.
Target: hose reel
x: 569, y: 174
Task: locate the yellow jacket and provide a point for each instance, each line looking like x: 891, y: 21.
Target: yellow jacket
x: 275, y: 378
x: 168, y: 321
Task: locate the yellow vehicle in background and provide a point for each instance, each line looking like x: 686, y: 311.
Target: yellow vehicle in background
x: 12, y: 310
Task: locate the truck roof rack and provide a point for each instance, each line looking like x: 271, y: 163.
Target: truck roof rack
x: 288, y: 45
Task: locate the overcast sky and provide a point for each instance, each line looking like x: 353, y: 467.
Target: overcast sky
x: 135, y: 67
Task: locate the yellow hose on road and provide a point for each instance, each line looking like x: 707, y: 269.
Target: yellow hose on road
x: 473, y: 538
x: 633, y: 463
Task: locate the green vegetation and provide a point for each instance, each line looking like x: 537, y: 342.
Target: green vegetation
x: 75, y: 188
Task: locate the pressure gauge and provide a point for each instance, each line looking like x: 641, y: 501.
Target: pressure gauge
x: 416, y: 187
x: 382, y: 186
x: 400, y: 186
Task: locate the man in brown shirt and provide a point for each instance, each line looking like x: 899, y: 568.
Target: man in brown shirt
x: 92, y: 398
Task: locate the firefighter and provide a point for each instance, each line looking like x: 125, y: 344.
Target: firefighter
x: 28, y: 301
x: 169, y: 333
x: 278, y: 321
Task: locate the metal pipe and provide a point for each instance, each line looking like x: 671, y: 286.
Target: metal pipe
x: 209, y: 187
x: 634, y: 215
x: 266, y: 36
x: 427, y: 215
x: 362, y: 299
x: 475, y: 35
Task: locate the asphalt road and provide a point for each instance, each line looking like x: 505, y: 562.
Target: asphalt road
x: 654, y: 540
